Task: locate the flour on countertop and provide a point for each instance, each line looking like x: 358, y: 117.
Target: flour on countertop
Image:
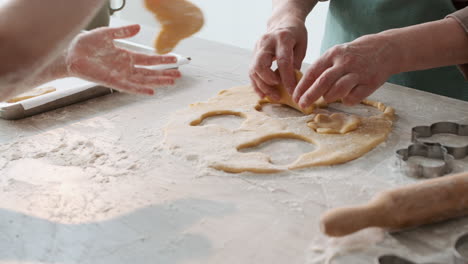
x: 325, y: 249
x: 64, y: 156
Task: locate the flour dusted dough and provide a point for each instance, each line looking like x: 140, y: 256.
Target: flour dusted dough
x: 219, y: 147
x: 179, y: 19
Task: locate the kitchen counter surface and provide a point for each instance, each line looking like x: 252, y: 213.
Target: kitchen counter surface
x: 91, y: 183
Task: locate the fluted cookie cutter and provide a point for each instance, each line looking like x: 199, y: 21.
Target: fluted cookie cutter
x: 418, y: 170
x: 461, y: 250
x: 420, y: 132
x: 394, y: 259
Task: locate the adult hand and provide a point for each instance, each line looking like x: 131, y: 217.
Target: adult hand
x: 350, y: 72
x: 93, y: 56
x: 287, y: 43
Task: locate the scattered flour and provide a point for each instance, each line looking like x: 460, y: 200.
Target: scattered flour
x: 325, y: 249
x: 65, y: 156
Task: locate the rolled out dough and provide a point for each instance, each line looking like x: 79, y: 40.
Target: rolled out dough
x: 219, y: 147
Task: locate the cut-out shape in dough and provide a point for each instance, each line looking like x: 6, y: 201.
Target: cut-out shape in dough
x: 336, y: 123
x: 287, y: 100
x: 275, y: 146
x: 179, y: 19
x: 31, y: 94
x: 218, y: 147
x: 279, y: 110
x: 227, y: 119
x: 200, y: 120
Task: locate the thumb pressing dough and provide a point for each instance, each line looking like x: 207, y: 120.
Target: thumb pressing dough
x: 322, y: 123
x: 220, y: 148
x: 287, y: 100
x: 179, y: 19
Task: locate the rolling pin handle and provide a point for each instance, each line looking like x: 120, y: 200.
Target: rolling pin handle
x: 344, y: 221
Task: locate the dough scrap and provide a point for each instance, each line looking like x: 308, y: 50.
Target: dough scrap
x: 287, y: 100
x: 336, y: 123
x: 31, y: 94
x: 218, y: 147
x: 179, y: 19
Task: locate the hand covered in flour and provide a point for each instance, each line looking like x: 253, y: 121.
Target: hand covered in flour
x: 350, y: 72
x: 285, y: 41
x: 94, y: 57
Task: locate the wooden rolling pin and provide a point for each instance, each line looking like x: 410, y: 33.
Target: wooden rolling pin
x: 410, y: 206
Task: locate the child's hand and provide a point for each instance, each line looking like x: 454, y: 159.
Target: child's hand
x: 94, y: 57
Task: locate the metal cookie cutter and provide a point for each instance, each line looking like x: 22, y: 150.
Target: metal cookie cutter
x: 433, y: 151
x: 461, y: 250
x: 420, y: 132
x: 393, y: 259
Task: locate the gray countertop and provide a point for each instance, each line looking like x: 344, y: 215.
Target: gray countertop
x: 90, y: 183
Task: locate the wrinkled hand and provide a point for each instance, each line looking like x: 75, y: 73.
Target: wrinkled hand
x: 350, y: 72
x: 287, y: 43
x: 94, y: 57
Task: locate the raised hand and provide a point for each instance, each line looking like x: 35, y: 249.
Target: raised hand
x: 94, y: 57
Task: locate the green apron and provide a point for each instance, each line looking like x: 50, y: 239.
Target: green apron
x: 350, y: 19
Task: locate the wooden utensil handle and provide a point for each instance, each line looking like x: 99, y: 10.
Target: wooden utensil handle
x: 421, y: 203
x: 344, y: 221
